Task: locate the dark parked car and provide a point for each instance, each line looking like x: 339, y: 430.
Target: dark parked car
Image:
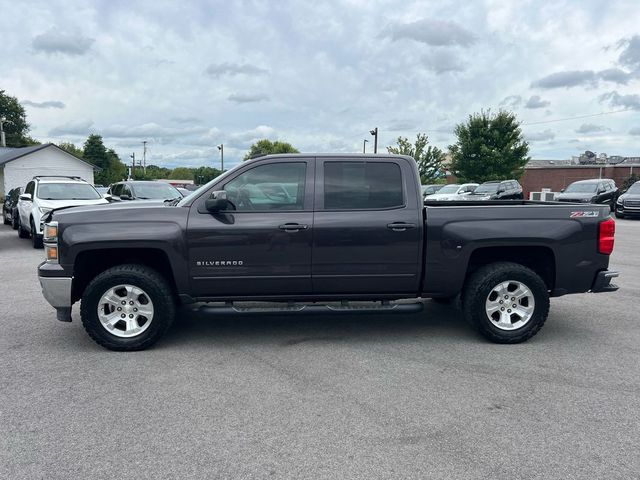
x: 142, y: 190
x: 599, y: 190
x: 628, y: 203
x: 430, y: 189
x: 308, y: 230
x: 10, y: 207
x: 497, y: 190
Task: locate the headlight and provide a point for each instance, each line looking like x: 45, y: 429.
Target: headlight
x: 619, y: 201
x: 44, y: 210
x: 50, y: 233
x: 587, y: 200
x: 50, y: 239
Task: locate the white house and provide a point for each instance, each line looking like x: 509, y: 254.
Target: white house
x: 19, y: 165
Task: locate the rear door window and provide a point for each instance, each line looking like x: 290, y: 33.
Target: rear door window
x: 362, y: 185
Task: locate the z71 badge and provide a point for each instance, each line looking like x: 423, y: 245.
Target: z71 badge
x: 589, y: 213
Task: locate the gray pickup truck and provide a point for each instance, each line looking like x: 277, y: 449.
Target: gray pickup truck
x: 318, y: 232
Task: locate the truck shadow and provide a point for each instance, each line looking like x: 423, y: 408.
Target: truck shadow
x: 287, y: 330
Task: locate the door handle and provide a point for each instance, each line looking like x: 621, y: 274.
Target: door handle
x: 400, y: 226
x: 293, y: 227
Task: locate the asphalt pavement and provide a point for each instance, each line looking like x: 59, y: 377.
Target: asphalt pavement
x: 307, y: 397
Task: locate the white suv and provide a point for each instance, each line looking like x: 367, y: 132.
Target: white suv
x: 43, y: 194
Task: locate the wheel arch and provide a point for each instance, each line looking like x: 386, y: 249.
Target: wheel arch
x: 540, y: 259
x: 90, y: 263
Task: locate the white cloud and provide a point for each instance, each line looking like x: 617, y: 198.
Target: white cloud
x: 45, y: 104
x: 57, y: 41
x: 432, y: 32
x: 536, y: 102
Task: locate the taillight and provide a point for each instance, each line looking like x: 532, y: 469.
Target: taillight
x: 606, y: 232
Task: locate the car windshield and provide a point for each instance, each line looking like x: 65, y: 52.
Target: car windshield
x: 67, y: 191
x: 487, y: 188
x: 581, y: 188
x: 155, y: 191
x: 453, y: 188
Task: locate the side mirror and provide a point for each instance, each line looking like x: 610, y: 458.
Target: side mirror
x: 601, y: 190
x: 125, y: 197
x: 217, y: 202
x: 500, y: 190
x: 26, y: 197
x: 562, y: 190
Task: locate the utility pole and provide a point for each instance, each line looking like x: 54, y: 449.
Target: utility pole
x: 374, y: 132
x: 364, y: 145
x: 144, y: 156
x: 133, y: 164
x: 221, y: 148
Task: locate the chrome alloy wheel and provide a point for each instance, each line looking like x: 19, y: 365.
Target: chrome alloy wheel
x: 125, y: 311
x: 510, y: 305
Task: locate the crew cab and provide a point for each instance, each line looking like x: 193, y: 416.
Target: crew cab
x: 308, y: 230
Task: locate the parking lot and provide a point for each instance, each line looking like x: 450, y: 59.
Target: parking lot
x: 415, y: 396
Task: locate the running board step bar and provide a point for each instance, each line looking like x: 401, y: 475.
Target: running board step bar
x: 293, y: 308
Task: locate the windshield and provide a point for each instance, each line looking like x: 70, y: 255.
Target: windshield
x: 487, y: 188
x: 581, y: 188
x: 634, y: 189
x: 453, y: 188
x: 155, y: 191
x: 67, y: 191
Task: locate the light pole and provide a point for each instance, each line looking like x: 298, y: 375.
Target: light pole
x: 133, y: 165
x: 3, y: 141
x: 221, y: 148
x: 374, y: 132
x: 364, y: 145
x: 144, y: 156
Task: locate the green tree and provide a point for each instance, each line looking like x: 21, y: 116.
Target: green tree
x: 202, y: 175
x: 15, y: 125
x: 631, y: 179
x: 267, y: 147
x: 115, y: 171
x: 72, y: 149
x: 489, y: 147
x: 428, y: 157
x: 181, y: 173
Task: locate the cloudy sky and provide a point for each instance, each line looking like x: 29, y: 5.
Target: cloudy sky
x: 189, y: 75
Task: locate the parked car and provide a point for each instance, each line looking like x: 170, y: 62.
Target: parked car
x: 599, y: 190
x: 453, y: 191
x: 43, y: 194
x: 498, y: 190
x: 349, y: 228
x: 628, y: 204
x: 430, y: 189
x: 142, y: 190
x: 10, y: 207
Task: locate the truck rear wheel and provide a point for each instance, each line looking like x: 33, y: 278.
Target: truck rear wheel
x: 127, y: 307
x: 507, y: 302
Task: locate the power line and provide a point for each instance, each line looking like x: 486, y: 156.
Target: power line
x: 577, y: 117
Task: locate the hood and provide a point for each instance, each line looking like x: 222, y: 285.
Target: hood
x: 96, y: 209
x: 629, y: 196
x: 480, y: 196
x: 444, y: 196
x: 575, y: 196
x: 70, y: 203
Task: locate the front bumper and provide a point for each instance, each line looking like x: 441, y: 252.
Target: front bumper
x: 603, y: 283
x: 57, y: 291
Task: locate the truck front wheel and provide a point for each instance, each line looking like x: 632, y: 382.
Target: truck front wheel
x: 127, y: 307
x: 507, y: 302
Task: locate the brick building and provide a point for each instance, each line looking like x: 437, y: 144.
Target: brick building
x: 558, y: 176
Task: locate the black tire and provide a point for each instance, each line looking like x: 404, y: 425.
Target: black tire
x: 482, y: 282
x: 4, y: 218
x: 36, y: 240
x: 14, y: 221
x: 22, y: 233
x: 153, y: 284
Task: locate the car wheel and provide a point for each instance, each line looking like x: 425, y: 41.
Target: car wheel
x: 7, y: 221
x: 127, y: 307
x: 507, y: 302
x: 14, y: 222
x: 22, y: 233
x: 36, y: 240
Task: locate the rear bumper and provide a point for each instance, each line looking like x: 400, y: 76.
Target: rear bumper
x: 603, y: 283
